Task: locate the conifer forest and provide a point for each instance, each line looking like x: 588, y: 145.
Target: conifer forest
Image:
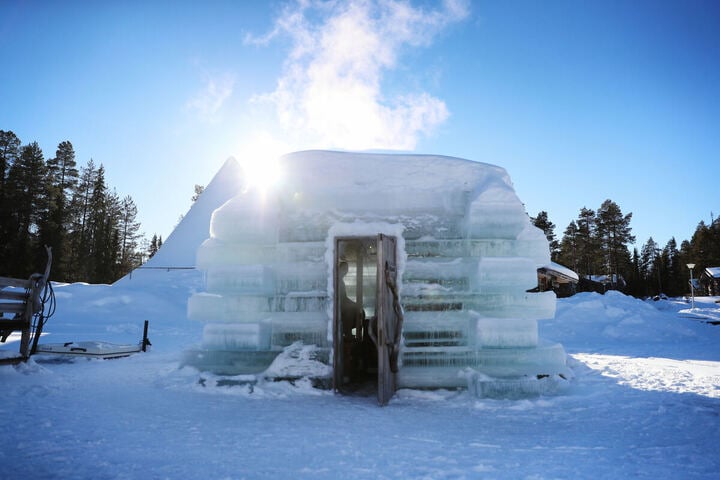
x: 95, y: 234
x: 93, y: 231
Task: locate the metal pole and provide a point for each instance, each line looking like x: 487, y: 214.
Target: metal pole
x: 692, y: 288
x: 145, y: 341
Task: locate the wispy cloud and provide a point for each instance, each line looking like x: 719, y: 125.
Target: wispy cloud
x: 207, y: 102
x: 331, y: 86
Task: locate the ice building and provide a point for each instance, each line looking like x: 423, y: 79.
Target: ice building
x: 398, y: 270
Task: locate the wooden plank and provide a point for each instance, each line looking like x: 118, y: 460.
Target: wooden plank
x: 387, y: 317
x: 14, y: 282
x: 13, y: 324
x: 15, y: 307
x: 11, y: 360
x: 18, y: 295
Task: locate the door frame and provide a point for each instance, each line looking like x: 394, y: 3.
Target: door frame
x: 385, y: 313
x: 388, y: 321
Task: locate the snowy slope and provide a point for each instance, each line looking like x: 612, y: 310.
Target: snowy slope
x: 644, y: 404
x: 179, y: 248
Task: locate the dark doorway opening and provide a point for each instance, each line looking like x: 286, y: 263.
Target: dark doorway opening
x: 365, y: 322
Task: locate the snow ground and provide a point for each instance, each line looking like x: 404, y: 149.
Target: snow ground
x: 645, y: 403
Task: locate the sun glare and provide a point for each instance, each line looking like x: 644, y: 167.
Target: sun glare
x: 261, y: 172
x: 260, y: 162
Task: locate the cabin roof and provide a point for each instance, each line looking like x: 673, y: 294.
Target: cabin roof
x: 562, y: 270
x: 713, y: 272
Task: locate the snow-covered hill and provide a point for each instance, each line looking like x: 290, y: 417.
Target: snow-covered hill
x: 644, y: 404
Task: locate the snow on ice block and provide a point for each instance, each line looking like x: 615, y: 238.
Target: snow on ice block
x: 245, y: 336
x: 225, y: 308
x: 536, y: 306
x: 394, y: 202
x: 246, y: 218
x: 507, y: 332
x: 240, y: 308
x: 216, y: 253
x: 440, y: 268
x: 511, y: 274
x: 430, y: 377
x: 545, y: 357
x: 485, y: 386
x: 532, y: 243
x: 257, y: 279
x: 501, y: 365
x: 439, y: 329
x: 299, y: 276
x: 308, y: 328
x: 496, y: 213
x: 230, y: 362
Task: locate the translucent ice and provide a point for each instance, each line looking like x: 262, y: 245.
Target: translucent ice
x: 467, y: 256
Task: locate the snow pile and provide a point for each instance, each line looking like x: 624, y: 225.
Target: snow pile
x: 646, y: 345
x: 592, y: 319
x: 709, y: 310
x: 296, y: 361
x: 116, y: 313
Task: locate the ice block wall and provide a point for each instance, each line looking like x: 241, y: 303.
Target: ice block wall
x: 470, y: 255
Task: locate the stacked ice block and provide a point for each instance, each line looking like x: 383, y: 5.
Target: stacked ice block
x: 468, y: 258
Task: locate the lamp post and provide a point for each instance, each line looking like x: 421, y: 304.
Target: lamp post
x: 692, y: 286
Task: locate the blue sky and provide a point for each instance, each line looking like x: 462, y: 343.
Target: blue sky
x: 579, y: 101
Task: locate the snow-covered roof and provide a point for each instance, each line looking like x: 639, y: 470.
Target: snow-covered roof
x: 556, y: 267
x: 358, y: 184
x: 713, y: 271
x: 607, y: 279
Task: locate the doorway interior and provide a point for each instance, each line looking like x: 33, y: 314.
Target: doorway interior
x: 366, y: 327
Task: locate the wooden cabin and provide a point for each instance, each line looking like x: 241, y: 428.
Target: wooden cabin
x: 557, y: 278
x: 710, y: 281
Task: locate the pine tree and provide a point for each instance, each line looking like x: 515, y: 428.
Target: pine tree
x: 62, y: 179
x: 704, y: 247
x: 568, y: 254
x: 9, y: 154
x: 686, y: 257
x: 128, y: 228
x: 80, y: 234
x: 587, y: 246
x: 199, y: 189
x: 153, y: 246
x: 614, y: 235
x: 93, y: 233
x: 673, y: 272
x: 113, y: 246
x: 636, y: 284
x: 27, y: 194
x: 101, y: 224
x: 543, y: 223
x: 651, y: 267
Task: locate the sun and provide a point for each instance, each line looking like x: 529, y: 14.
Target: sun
x: 259, y: 159
x: 261, y: 172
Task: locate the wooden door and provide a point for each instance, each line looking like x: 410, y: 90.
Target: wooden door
x: 389, y: 317
x: 337, y: 324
